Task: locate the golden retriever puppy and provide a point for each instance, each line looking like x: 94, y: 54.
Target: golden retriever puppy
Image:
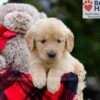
x: 50, y: 43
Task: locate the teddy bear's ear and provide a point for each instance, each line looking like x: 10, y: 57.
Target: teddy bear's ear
x: 5, y: 9
x: 69, y: 41
x: 29, y: 37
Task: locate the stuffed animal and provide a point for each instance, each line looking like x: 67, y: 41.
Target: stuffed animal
x: 16, y: 19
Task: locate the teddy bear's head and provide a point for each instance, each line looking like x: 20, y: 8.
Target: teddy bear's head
x: 17, y: 21
x: 19, y: 17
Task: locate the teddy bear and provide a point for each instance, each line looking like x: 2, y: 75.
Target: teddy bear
x: 16, y: 19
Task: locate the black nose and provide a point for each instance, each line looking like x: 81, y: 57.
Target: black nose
x: 51, y: 54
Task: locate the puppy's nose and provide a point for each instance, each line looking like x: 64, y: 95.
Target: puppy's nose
x: 51, y: 54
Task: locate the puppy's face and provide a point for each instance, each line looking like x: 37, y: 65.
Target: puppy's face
x: 50, y: 45
x: 50, y: 37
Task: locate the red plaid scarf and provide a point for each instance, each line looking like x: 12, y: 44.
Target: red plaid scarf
x: 15, y: 85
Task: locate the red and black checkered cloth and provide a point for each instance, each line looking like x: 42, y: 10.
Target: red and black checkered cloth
x: 15, y: 85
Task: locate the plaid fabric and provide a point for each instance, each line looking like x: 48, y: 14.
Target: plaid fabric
x: 15, y: 85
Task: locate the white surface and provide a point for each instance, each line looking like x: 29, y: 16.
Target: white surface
x: 2, y: 2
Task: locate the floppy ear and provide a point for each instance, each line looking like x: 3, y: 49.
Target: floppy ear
x: 30, y: 39
x: 70, y: 41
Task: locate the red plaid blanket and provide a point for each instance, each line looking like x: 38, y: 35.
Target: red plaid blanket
x: 15, y: 85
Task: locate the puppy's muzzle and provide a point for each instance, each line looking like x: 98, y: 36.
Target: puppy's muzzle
x: 51, y: 55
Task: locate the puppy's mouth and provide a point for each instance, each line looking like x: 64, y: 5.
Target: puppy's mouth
x: 52, y: 60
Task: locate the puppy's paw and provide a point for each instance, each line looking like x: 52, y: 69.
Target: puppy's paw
x: 39, y: 81
x: 80, y: 71
x: 53, y: 84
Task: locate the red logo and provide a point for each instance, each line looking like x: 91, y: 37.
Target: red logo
x: 87, y: 5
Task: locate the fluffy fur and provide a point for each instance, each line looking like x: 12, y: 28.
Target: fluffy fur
x: 2, y: 62
x: 19, y: 18
x: 51, y: 35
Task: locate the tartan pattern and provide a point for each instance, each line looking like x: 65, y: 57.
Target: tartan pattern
x: 15, y: 85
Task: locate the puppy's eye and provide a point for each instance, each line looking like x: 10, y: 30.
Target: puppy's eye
x: 59, y: 41
x: 43, y: 41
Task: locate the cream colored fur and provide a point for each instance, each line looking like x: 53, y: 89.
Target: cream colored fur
x: 52, y: 35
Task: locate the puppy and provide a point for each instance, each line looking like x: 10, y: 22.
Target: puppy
x: 50, y: 43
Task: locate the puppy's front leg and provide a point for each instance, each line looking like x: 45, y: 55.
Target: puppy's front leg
x: 54, y: 79
x: 80, y: 71
x: 38, y: 76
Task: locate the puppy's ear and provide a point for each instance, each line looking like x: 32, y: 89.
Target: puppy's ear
x: 69, y: 41
x: 30, y: 39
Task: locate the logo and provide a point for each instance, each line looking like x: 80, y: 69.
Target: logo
x: 88, y: 5
x: 91, y: 9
